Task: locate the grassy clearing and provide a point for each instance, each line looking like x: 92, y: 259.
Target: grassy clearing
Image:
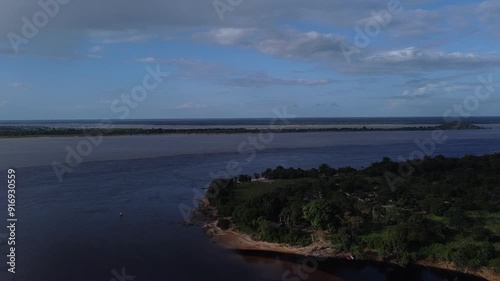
x: 248, y: 190
x: 437, y: 218
x: 490, y: 220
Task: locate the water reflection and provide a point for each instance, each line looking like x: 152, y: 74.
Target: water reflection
x: 289, y: 267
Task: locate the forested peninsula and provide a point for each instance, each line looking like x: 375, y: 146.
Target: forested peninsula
x: 446, y: 212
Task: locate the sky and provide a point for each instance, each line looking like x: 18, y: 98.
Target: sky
x: 119, y: 59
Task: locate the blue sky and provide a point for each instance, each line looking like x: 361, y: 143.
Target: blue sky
x: 242, y: 60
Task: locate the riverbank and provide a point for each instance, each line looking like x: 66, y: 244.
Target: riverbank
x: 206, y: 217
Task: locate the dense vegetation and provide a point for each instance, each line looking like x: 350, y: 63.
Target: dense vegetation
x: 447, y: 210
x: 37, y: 131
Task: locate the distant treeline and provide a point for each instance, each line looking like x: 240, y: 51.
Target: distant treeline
x: 30, y: 131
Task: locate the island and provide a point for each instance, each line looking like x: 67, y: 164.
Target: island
x: 109, y: 130
x: 444, y: 214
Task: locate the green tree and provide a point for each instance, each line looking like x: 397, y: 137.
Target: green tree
x: 291, y: 215
x: 471, y: 254
x: 321, y: 214
x: 495, y: 265
x: 458, y: 219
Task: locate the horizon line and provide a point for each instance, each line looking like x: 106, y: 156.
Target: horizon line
x: 236, y: 118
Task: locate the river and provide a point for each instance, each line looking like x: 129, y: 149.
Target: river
x: 71, y: 229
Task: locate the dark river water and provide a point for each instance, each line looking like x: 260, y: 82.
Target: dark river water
x: 71, y: 230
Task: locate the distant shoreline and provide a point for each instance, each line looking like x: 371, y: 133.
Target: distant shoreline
x: 37, y: 131
x: 259, y: 121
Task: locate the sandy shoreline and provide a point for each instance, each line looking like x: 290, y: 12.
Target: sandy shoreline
x: 240, y: 241
x: 206, y: 218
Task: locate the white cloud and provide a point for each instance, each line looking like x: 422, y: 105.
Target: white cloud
x: 94, y: 57
x: 414, y: 54
x: 327, y: 103
x: 191, y: 105
x: 114, y: 37
x: 413, y: 60
x: 289, y: 43
x: 228, y: 36
x: 438, y: 88
x: 95, y: 49
x: 191, y: 64
x: 264, y: 80
x: 194, y: 69
x: 395, y: 103
x: 148, y: 60
x: 17, y: 85
x: 327, y: 49
x: 490, y: 10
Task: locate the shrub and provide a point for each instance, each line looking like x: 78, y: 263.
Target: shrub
x: 481, y: 234
x: 343, y: 239
x: 471, y: 254
x: 495, y: 265
x: 297, y: 237
x: 224, y: 224
x: 436, y: 252
x: 379, y: 242
x: 405, y: 258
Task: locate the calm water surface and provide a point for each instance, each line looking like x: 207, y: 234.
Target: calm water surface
x: 72, y: 230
